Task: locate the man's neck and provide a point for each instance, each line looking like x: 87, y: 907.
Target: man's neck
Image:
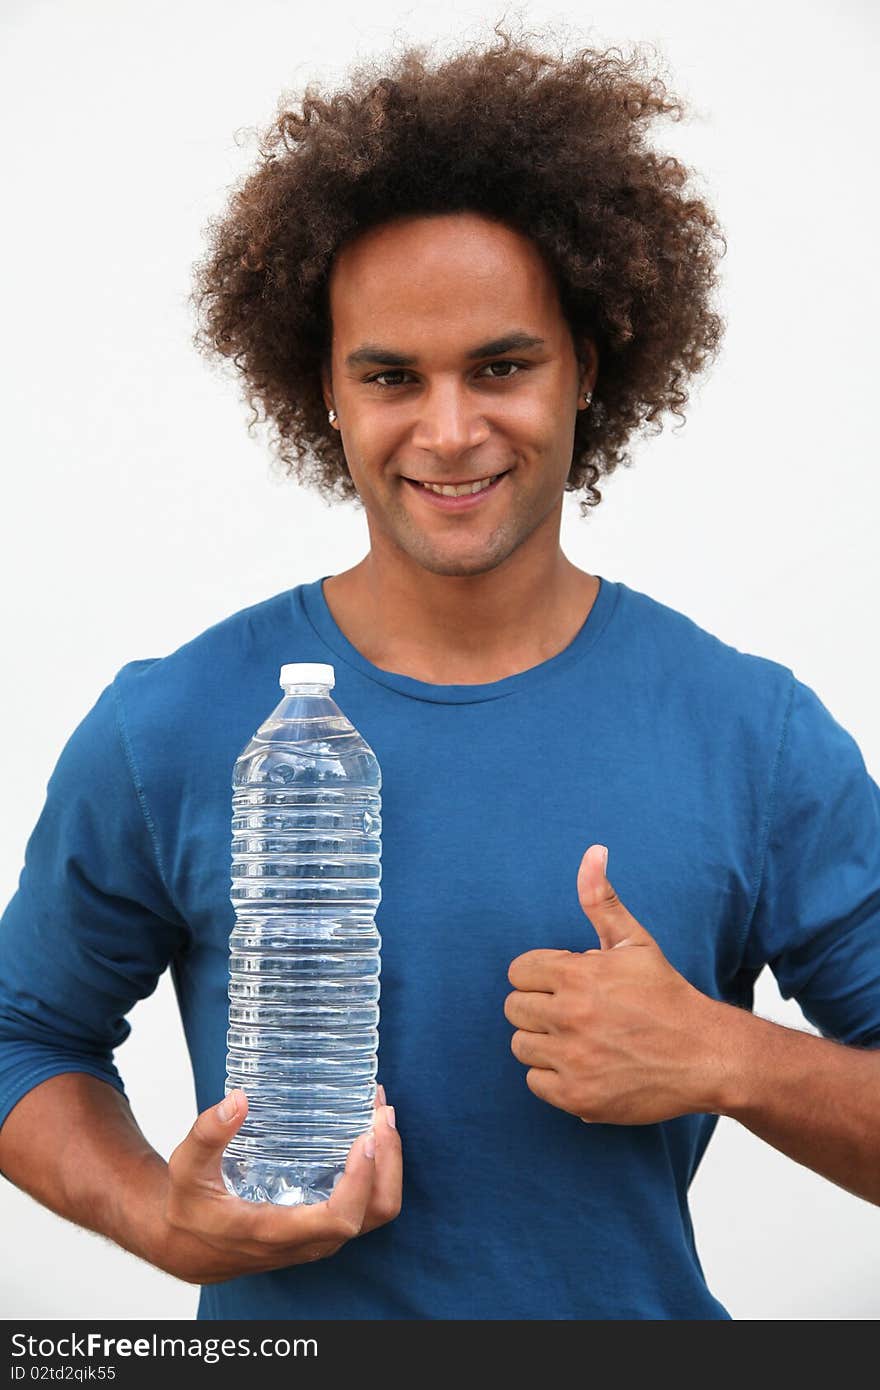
x: 460, y: 630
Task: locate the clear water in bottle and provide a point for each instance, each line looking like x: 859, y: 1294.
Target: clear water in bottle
x: 304, y: 952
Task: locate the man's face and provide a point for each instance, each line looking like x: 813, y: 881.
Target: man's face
x: 438, y: 292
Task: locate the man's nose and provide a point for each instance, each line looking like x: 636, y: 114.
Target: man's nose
x: 449, y: 421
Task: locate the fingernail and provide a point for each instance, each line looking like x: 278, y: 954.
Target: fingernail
x: 389, y: 1116
x: 604, y: 850
x: 370, y: 1144
x: 227, y: 1108
x: 380, y: 1095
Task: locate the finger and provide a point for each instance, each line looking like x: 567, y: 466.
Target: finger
x: 197, y: 1159
x: 534, y: 1049
x: 351, y: 1195
x: 614, y: 924
x: 336, y: 1220
x: 544, y: 1083
x: 530, y: 1010
x: 537, y: 969
x: 387, y: 1194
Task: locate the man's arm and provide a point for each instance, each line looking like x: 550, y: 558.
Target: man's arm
x: 619, y: 1036
x: 73, y: 1144
x: 816, y: 1100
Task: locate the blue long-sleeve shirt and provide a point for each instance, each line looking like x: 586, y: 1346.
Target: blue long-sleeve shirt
x: 743, y: 830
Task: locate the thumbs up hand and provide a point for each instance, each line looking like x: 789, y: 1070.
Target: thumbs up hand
x: 615, y: 1035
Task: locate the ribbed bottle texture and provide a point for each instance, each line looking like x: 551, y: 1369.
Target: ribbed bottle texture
x: 304, y: 952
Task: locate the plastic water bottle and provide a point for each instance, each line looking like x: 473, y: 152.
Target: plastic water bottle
x: 304, y: 952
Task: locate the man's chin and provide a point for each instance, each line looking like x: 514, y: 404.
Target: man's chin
x: 462, y: 564
x: 460, y: 568
x: 453, y: 555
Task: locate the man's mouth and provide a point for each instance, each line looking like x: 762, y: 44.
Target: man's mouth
x: 457, y: 496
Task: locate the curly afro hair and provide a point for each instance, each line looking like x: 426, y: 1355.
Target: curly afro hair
x: 554, y: 147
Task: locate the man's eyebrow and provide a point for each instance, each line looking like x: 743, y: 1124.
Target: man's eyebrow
x: 373, y: 353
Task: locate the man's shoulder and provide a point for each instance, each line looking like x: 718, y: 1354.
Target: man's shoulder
x: 685, y: 656
x: 243, y: 650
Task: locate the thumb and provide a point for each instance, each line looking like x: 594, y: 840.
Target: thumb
x: 198, y: 1157
x: 615, y: 925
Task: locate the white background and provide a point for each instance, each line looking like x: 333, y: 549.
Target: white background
x: 136, y: 511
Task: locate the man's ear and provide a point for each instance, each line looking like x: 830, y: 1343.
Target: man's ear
x: 588, y: 364
x: 327, y: 385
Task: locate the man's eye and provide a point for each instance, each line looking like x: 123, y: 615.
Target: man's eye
x: 379, y: 375
x: 505, y: 363
x: 388, y: 385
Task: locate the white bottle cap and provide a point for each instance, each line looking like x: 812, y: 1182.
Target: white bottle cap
x: 300, y: 672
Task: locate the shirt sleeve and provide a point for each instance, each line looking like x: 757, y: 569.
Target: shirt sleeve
x: 817, y: 914
x: 90, y: 928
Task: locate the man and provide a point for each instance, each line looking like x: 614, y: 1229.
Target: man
x: 558, y: 1037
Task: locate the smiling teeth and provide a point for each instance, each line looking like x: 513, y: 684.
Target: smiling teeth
x: 447, y: 490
